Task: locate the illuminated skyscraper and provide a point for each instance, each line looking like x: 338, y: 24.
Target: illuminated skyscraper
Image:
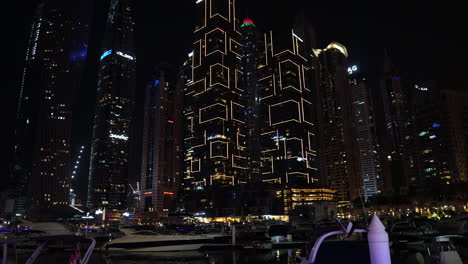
x: 55, y: 56
x: 160, y: 179
x: 435, y: 156
x: 288, y: 123
x: 215, y: 145
x: 251, y: 98
x: 337, y: 150
x: 367, y: 148
x: 287, y: 117
x: 108, y: 175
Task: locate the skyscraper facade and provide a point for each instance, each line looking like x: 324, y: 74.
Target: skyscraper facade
x: 334, y: 107
x: 396, y: 126
x: 288, y: 136
x: 108, y: 175
x: 251, y: 97
x: 54, y: 62
x: 435, y: 159
x: 215, y: 145
x: 367, y: 148
x: 287, y: 118
x: 160, y: 179
x: 455, y: 118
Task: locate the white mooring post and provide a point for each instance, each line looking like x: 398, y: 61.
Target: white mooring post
x: 379, y: 246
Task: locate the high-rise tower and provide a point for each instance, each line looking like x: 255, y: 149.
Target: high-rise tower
x: 55, y: 57
x: 108, y: 176
x: 367, y: 148
x: 395, y: 130
x: 288, y: 124
x: 337, y: 158
x: 287, y: 117
x: 160, y: 179
x: 251, y: 98
x: 215, y: 145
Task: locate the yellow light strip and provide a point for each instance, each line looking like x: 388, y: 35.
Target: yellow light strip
x: 302, y: 106
x: 227, y: 149
x: 303, y: 79
x: 204, y: 18
x: 191, y: 165
x: 232, y: 112
x: 230, y: 46
x: 271, y: 39
x: 211, y: 81
x: 235, y: 166
x: 201, y: 109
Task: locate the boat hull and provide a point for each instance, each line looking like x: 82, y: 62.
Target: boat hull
x: 161, y: 246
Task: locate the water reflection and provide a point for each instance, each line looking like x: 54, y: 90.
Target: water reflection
x: 279, y: 256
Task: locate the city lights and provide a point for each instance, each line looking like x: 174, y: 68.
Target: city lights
x: 105, y: 54
x: 123, y: 137
x: 226, y: 131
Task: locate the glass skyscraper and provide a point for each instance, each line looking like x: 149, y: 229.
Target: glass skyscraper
x: 55, y: 57
x: 108, y: 175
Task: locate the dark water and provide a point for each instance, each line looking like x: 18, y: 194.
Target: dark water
x: 192, y: 257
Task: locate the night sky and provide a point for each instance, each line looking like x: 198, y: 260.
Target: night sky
x: 424, y: 39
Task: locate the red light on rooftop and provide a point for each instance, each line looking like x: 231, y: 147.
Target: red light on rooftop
x: 247, y: 21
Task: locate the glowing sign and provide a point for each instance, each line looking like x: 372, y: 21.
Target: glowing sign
x: 352, y: 69
x: 168, y: 193
x: 98, y: 212
x: 216, y: 136
x: 432, y: 136
x: 156, y: 82
x: 126, y: 214
x: 148, y: 192
x: 198, y: 1
x: 278, y: 137
x: 105, y: 54
x: 170, y: 121
x: 87, y: 216
x: 118, y: 136
x: 435, y: 125
x: 125, y: 55
x: 420, y: 88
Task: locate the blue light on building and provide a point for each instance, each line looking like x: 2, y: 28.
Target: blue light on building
x: 105, y: 54
x: 78, y: 55
x: 435, y: 125
x: 156, y: 82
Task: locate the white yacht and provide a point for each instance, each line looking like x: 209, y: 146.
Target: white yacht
x: 144, y: 241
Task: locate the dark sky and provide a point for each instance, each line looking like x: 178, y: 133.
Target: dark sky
x: 424, y: 38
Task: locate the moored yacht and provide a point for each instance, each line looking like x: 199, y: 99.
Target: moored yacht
x: 144, y: 241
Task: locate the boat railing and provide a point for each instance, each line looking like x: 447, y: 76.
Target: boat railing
x: 65, y: 238
x: 377, y: 238
x: 4, y: 244
x: 318, y: 242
